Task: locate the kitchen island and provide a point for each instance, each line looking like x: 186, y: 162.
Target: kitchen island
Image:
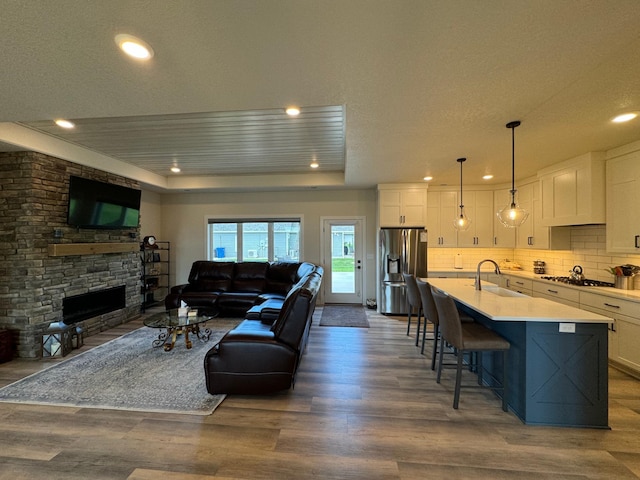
x: 557, y: 365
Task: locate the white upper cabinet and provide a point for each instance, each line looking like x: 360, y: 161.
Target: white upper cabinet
x: 400, y: 206
x: 442, y: 208
x: 573, y: 192
x: 503, y: 237
x: 478, y: 206
x: 532, y: 234
x: 623, y: 203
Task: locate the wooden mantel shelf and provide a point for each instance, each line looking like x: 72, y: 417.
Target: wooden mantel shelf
x: 66, y: 249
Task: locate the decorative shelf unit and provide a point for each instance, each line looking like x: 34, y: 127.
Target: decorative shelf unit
x: 155, y: 273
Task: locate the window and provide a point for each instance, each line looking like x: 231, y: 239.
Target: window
x: 256, y: 240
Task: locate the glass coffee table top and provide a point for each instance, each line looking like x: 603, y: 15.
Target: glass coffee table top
x: 173, y: 325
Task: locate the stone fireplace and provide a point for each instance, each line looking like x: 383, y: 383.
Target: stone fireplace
x: 92, y: 304
x: 34, y: 280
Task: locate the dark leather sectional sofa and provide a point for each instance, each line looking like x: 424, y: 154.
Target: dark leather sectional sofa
x: 277, y: 300
x: 256, y: 357
x: 239, y: 289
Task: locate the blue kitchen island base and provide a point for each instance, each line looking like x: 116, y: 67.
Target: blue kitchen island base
x: 555, y: 378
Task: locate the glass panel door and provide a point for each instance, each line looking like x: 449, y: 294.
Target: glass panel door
x: 343, y: 261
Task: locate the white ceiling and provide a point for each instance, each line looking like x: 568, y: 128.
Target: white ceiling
x: 412, y: 86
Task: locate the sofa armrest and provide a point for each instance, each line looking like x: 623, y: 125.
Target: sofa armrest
x: 249, y: 362
x: 178, y: 289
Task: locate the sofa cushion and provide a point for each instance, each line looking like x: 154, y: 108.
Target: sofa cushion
x: 250, y: 277
x: 281, y: 276
x: 196, y: 299
x: 294, y: 319
x: 208, y: 276
x: 267, y: 311
x: 236, y: 303
x: 305, y: 268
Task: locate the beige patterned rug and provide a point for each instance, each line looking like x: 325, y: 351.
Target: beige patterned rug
x: 127, y: 373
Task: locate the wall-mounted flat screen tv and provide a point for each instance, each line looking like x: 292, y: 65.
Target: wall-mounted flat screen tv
x: 94, y: 204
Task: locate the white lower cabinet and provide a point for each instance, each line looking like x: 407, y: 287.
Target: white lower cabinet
x: 624, y: 331
x: 557, y: 293
x: 499, y: 280
x: 519, y: 284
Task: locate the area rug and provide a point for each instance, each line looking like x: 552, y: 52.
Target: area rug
x: 128, y: 373
x: 344, y: 316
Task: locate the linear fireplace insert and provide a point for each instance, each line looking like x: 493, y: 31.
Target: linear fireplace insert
x: 89, y: 305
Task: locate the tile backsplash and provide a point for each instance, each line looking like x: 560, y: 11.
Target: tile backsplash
x: 588, y: 249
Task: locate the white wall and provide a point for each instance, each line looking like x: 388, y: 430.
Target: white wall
x: 184, y: 215
x: 150, y: 214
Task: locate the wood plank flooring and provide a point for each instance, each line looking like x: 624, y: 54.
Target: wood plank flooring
x: 365, y: 406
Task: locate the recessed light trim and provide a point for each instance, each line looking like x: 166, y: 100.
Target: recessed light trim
x: 61, y: 122
x: 292, y: 111
x: 134, y: 47
x: 625, y: 117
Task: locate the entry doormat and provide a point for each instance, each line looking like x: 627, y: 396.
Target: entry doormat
x: 343, y: 315
x: 128, y: 373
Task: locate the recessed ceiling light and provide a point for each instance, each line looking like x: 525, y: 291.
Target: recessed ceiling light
x: 314, y: 164
x: 293, y: 111
x: 175, y: 169
x: 428, y: 178
x: 64, y: 123
x: 134, y: 47
x: 625, y: 117
x: 487, y: 177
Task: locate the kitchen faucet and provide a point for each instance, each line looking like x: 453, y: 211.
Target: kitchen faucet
x: 478, y: 286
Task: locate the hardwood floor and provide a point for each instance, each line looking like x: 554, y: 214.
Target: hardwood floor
x: 365, y: 406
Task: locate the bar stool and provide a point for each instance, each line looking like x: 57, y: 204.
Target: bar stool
x: 431, y: 314
x: 413, y: 301
x: 471, y: 338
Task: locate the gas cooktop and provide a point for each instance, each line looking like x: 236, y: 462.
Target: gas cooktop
x: 580, y: 283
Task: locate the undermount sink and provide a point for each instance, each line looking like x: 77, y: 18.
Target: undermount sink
x: 502, y: 292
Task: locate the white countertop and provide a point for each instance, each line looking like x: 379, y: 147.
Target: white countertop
x: 521, y: 308
x: 633, y: 295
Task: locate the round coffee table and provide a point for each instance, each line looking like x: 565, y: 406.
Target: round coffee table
x: 174, y: 325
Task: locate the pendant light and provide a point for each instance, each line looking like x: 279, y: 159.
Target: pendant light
x: 461, y: 222
x: 512, y: 215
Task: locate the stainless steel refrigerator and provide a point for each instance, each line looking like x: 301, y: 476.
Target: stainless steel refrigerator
x: 401, y: 250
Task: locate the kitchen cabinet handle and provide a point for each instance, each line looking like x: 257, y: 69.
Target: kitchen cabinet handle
x: 612, y: 326
x: 637, y: 241
x: 552, y: 291
x: 612, y: 306
x: 519, y: 283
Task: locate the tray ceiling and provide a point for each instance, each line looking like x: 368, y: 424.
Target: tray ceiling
x: 390, y: 91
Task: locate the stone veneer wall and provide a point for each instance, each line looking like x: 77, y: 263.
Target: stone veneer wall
x: 33, y: 200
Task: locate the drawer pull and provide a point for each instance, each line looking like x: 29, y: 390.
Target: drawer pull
x: 637, y: 241
x: 612, y: 306
x: 552, y: 291
x: 520, y: 283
